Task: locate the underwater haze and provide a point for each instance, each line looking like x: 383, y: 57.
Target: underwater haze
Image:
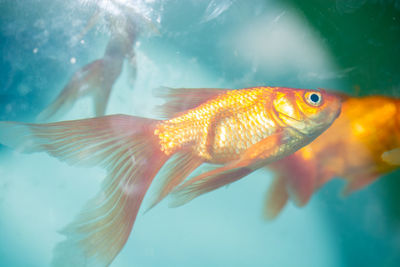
x: 348, y: 46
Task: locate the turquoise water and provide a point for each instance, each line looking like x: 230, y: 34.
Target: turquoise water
x: 227, y: 44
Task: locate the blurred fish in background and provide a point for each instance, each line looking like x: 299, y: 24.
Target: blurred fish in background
x: 364, y: 38
x: 97, y: 78
x: 362, y: 145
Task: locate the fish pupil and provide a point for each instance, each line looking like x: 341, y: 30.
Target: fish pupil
x: 314, y: 98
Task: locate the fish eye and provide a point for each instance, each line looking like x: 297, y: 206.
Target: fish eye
x: 313, y: 98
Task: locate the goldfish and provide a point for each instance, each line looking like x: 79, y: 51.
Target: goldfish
x: 361, y: 145
x: 242, y: 130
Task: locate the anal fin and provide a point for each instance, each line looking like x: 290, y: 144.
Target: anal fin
x: 178, y: 168
x: 252, y: 159
x: 207, y: 182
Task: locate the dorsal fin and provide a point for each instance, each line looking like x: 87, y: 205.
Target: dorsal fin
x: 179, y: 100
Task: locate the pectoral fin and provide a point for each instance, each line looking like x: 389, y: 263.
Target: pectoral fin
x: 228, y: 173
x: 179, y: 168
x: 207, y: 182
x: 392, y: 157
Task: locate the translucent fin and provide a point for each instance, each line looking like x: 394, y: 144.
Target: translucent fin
x: 179, y: 100
x: 356, y: 182
x: 276, y: 198
x: 178, y: 168
x: 207, y: 182
x: 62, y: 104
x: 100, y: 101
x: 301, y: 182
x: 299, y: 174
x: 123, y: 145
x: 392, y: 157
x: 85, y: 80
x: 252, y: 159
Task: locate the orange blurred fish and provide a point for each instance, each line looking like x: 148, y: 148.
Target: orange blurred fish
x: 360, y: 146
x: 241, y: 129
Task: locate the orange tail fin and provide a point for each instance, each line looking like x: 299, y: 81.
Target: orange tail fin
x: 126, y: 147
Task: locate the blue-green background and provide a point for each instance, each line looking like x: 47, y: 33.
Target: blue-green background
x: 353, y: 46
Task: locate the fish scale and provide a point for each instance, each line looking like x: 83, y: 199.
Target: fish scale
x: 233, y: 112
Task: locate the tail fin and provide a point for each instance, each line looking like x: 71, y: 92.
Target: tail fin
x: 60, y: 105
x: 85, y: 80
x: 126, y: 147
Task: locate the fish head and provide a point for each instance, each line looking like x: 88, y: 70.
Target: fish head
x: 310, y: 112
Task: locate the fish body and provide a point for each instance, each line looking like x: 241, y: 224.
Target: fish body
x: 222, y: 129
x: 242, y: 130
x: 359, y: 147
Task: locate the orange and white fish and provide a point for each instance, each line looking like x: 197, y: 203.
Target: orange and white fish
x: 242, y: 130
x: 360, y: 146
